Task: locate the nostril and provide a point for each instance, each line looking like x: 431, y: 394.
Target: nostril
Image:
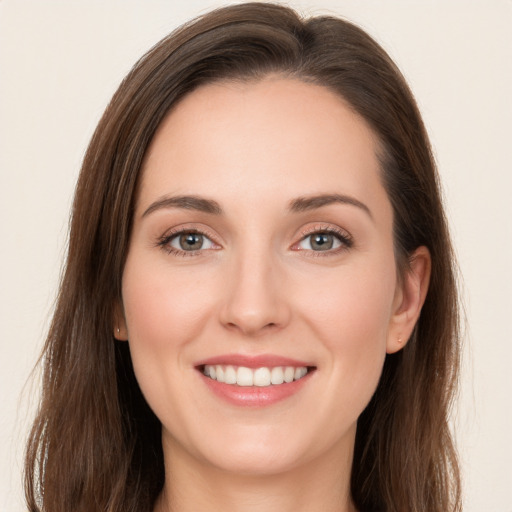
x: 251, y: 327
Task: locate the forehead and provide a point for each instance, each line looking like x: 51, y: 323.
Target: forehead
x: 277, y: 137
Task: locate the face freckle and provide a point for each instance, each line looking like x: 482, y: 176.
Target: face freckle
x: 267, y: 240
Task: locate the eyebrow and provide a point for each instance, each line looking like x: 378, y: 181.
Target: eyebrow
x: 187, y: 203
x: 302, y: 204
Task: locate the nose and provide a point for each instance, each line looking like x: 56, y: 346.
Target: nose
x: 255, y: 300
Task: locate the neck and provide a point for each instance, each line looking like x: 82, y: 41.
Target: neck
x: 322, y: 484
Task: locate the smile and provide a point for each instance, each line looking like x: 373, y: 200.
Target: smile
x: 257, y: 380
x: 260, y: 377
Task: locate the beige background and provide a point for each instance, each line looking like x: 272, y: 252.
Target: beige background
x: 61, y: 61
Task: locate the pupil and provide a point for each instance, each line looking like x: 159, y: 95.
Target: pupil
x: 191, y: 241
x: 322, y: 241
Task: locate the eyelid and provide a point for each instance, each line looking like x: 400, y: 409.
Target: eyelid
x: 164, y: 240
x: 343, y: 235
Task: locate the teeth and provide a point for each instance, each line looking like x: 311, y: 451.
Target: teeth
x: 229, y: 375
x: 289, y: 373
x: 244, y: 376
x: 299, y: 373
x: 261, y: 377
x: 277, y: 375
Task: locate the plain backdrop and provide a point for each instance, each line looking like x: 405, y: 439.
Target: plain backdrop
x: 60, y: 62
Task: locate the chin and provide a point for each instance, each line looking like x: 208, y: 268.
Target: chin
x: 257, y: 462
x: 259, y: 450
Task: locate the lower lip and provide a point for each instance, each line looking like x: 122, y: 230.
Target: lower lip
x: 254, y: 396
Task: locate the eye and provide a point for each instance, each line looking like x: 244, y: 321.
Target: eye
x: 184, y: 242
x: 190, y: 241
x: 320, y: 242
x: 324, y: 241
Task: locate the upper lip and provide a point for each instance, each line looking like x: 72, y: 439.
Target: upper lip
x: 257, y: 361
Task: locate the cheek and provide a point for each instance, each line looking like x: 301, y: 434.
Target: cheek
x: 352, y: 319
x: 354, y: 304
x: 164, y: 308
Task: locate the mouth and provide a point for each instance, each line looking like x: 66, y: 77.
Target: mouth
x: 256, y: 381
x: 264, y: 376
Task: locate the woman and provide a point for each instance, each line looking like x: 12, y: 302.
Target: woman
x: 259, y: 308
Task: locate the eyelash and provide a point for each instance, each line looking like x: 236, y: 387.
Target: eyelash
x: 164, y: 241
x: 343, y: 237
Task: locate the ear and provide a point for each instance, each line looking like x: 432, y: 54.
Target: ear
x: 120, y: 329
x: 409, y: 298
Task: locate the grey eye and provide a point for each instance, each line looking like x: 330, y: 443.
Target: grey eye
x: 320, y: 242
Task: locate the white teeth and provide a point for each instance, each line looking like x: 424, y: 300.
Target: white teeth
x: 300, y: 372
x: 230, y: 375
x: 277, y: 375
x: 244, y: 376
x: 261, y: 377
x: 219, y: 370
x: 289, y: 373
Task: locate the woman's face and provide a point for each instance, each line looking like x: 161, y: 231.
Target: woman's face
x: 262, y: 248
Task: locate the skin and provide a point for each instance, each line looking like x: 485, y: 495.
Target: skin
x: 259, y: 287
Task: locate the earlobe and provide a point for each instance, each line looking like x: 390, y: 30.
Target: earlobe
x: 410, y: 297
x: 120, y: 330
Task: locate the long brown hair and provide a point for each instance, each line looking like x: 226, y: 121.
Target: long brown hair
x: 95, y: 444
